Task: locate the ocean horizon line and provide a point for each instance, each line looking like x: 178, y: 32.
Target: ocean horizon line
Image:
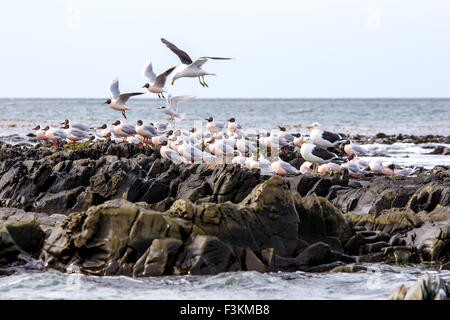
x: 237, y: 98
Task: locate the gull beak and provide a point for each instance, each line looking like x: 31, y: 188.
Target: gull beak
x: 302, y: 142
x: 309, y: 127
x: 172, y: 81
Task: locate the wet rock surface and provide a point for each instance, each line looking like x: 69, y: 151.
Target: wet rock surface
x: 121, y: 209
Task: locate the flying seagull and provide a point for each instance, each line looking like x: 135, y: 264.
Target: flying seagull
x: 156, y: 82
x: 119, y: 99
x: 189, y: 68
x: 172, y: 106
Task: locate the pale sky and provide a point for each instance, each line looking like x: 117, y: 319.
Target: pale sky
x: 283, y: 49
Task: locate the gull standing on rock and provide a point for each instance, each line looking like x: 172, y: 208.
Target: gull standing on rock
x: 214, y: 126
x: 74, y: 134
x: 322, y: 138
x: 55, y: 135
x: 119, y: 99
x: 283, y: 168
x: 123, y: 130
x: 170, y: 154
x: 172, y: 106
x: 233, y: 126
x: 156, y: 83
x: 76, y: 125
x: 40, y: 133
x: 285, y: 135
x: 105, y: 131
x: 189, y: 68
x: 306, y: 167
x: 350, y: 148
x: 146, y: 131
x: 315, y: 154
x: 330, y: 166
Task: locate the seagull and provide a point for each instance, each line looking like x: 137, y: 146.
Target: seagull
x: 123, y: 130
x: 298, y: 140
x: 219, y: 147
x: 161, y: 127
x: 158, y: 140
x: 283, y: 134
x: 306, y: 167
x: 244, y: 146
x: 322, y: 138
x: 172, y: 106
x: 213, y: 126
x: 119, y: 99
x: 189, y: 68
x: 105, y: 131
x: 350, y: 148
x: 73, y: 134
x: 146, y: 131
x: 328, y: 167
x: 192, y: 153
x: 77, y: 125
x: 376, y: 166
x: 156, y: 82
x: 40, y: 133
x: 354, y: 170
x: 315, y: 154
x: 238, y: 158
x: 170, y: 154
x: 273, y: 141
x: 283, y: 168
x: 359, y: 162
x: 55, y: 135
x: 194, y: 134
x: 233, y: 126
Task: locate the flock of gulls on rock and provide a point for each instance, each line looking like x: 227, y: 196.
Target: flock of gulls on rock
x: 220, y: 142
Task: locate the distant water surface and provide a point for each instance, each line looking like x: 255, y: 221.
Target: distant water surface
x: 364, y: 116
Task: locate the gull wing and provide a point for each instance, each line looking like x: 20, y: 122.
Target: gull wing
x: 114, y: 88
x: 161, y: 78
x: 184, y: 57
x: 128, y: 129
x: 151, y: 129
x: 202, y: 60
x: 288, y: 167
x: 148, y: 71
x: 173, y: 101
x: 359, y: 149
x: 330, y: 136
x: 322, y: 153
x: 123, y: 98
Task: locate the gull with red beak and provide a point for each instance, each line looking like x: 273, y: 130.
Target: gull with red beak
x: 123, y: 130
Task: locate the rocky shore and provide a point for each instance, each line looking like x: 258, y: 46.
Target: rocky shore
x: 121, y: 209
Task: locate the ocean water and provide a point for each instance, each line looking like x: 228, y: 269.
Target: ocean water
x: 374, y: 284
x: 349, y: 116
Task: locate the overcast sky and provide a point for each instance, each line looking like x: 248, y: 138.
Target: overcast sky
x: 283, y: 49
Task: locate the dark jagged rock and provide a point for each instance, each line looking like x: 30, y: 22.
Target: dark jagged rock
x: 131, y: 212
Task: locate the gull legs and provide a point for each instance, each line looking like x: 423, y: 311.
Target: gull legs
x: 202, y: 83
